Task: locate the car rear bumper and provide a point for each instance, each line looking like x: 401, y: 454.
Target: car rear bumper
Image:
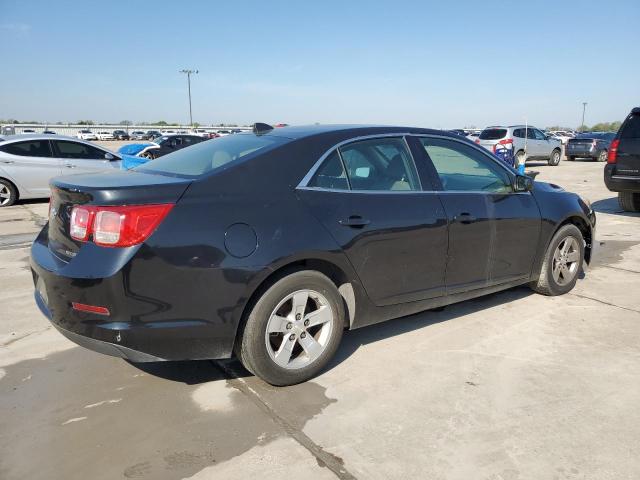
x: 620, y: 183
x: 142, y: 325
x: 581, y: 152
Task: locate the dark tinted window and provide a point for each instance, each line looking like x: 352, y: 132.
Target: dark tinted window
x: 208, y: 156
x: 493, y: 133
x: 631, y: 127
x: 519, y: 133
x: 31, y: 148
x: 463, y: 168
x: 530, y: 134
x: 380, y: 164
x: 331, y: 174
x: 538, y: 134
x: 67, y: 149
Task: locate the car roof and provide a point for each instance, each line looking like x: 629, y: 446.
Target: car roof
x: 37, y: 136
x: 304, y: 131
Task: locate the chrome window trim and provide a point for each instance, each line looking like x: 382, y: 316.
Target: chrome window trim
x: 303, y: 185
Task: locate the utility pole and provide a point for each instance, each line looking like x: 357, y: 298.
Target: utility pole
x: 189, y: 72
x: 584, y: 107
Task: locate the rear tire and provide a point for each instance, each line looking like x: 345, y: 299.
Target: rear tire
x: 562, y: 262
x: 8, y: 193
x: 602, y: 156
x: 284, y: 340
x: 629, y: 201
x: 554, y: 159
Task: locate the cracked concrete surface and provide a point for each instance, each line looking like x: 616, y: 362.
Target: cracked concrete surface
x: 509, y: 386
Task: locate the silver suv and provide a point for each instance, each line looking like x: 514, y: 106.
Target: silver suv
x: 527, y: 142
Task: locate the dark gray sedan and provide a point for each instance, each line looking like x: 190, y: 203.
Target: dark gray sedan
x: 593, y: 145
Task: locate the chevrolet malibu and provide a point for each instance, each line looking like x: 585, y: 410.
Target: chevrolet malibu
x: 269, y: 244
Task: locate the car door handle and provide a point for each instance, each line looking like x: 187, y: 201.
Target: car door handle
x: 7, y: 162
x: 465, y: 218
x: 355, y: 221
x: 69, y: 165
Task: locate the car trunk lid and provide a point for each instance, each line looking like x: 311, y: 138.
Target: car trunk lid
x: 118, y: 188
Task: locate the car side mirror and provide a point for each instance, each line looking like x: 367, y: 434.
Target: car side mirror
x: 523, y: 183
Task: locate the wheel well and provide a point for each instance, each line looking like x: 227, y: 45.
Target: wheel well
x: 586, y: 234
x: 332, y: 271
x: 15, y: 187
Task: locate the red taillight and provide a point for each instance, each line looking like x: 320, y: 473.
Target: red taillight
x: 612, y: 155
x: 82, y: 307
x: 121, y: 226
x: 506, y: 141
x: 477, y: 140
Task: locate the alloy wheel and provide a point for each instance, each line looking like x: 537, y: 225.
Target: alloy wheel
x: 299, y: 329
x: 5, y: 194
x: 566, y: 260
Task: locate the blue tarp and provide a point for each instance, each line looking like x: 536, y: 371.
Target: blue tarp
x: 133, y: 148
x: 131, y: 161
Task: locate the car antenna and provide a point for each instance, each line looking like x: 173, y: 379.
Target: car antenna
x: 260, y: 128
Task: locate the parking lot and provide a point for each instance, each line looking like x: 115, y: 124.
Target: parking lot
x: 510, y: 386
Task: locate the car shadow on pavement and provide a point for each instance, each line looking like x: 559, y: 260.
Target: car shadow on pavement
x: 353, y: 340
x: 611, y: 205
x: 193, y: 372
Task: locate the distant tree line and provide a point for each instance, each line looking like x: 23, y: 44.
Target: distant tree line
x: 598, y: 127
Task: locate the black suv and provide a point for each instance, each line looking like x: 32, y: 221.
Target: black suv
x: 120, y: 135
x: 622, y: 172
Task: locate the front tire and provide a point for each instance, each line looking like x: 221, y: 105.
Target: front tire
x: 629, y: 201
x: 562, y: 262
x: 554, y: 159
x: 293, y: 329
x: 8, y: 193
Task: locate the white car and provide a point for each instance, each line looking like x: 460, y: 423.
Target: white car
x: 223, y: 133
x: 28, y: 132
x: 199, y: 132
x: 104, y: 136
x: 562, y: 135
x: 168, y: 132
x: 86, y: 135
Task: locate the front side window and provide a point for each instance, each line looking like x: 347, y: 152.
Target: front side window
x: 31, y: 148
x: 530, y: 134
x: 78, y: 150
x: 463, y: 168
x: 380, y: 164
x: 539, y: 135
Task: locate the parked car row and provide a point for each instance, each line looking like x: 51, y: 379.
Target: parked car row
x: 526, y: 142
x: 135, y: 154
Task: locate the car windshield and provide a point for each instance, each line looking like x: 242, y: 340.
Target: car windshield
x: 493, y: 134
x: 208, y: 156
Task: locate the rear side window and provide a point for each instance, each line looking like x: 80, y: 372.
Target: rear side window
x: 31, y: 148
x: 205, y: 157
x: 493, y: 133
x: 78, y: 150
x: 631, y: 127
x: 331, y: 174
x: 380, y: 164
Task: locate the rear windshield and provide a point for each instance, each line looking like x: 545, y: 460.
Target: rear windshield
x: 207, y: 156
x: 631, y: 128
x: 493, y: 134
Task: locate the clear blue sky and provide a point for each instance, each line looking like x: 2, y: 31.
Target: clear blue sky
x: 436, y: 64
